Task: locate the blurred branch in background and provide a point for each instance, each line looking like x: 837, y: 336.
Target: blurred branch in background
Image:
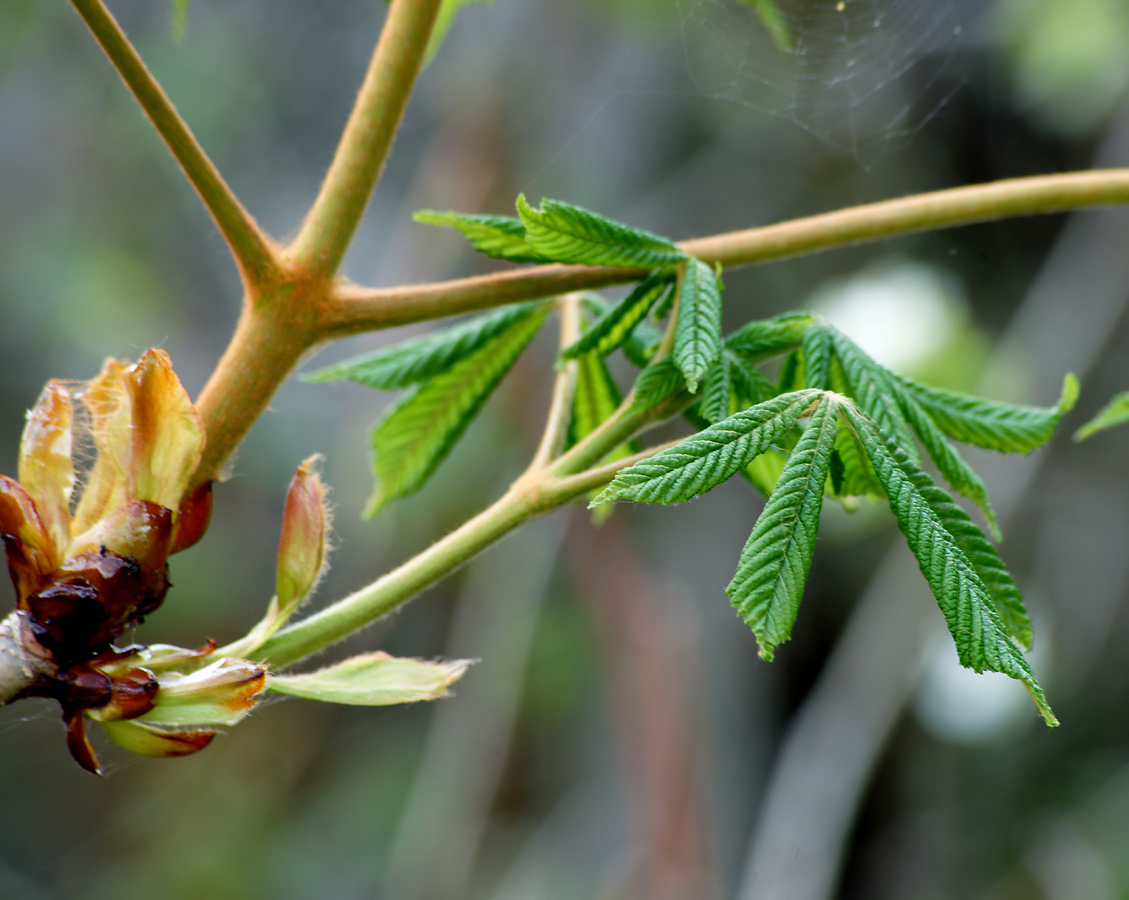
x: 837, y: 737
x: 652, y: 659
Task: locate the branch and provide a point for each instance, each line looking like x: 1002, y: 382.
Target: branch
x: 254, y: 252
x: 364, y: 309
x: 363, y: 149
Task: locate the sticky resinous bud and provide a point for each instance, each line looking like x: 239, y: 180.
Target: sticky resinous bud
x: 87, y: 568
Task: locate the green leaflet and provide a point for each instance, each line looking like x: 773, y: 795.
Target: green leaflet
x: 594, y: 401
x: 750, y: 386
x: 415, y: 436
x: 957, y: 472
x: 1114, y: 413
x: 708, y: 458
x: 871, y: 386
x: 980, y: 634
x: 642, y: 344
x: 717, y: 390
x: 443, y: 22
x: 769, y: 584
x: 373, y: 679
x: 502, y: 237
x: 697, y: 333
x: 817, y: 358
x: 656, y: 382
x: 617, y: 324
x: 1007, y: 427
x: 418, y: 359
x: 853, y: 475
x: 570, y: 234
x: 765, y: 338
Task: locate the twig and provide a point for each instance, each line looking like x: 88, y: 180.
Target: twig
x: 331, y: 222
x: 254, y: 252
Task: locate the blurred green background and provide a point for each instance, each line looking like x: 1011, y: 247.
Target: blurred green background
x: 620, y: 738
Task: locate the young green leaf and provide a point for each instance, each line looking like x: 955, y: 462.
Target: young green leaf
x: 717, y: 391
x: 769, y: 584
x: 750, y: 385
x: 419, y: 359
x: 656, y: 382
x: 765, y: 338
x: 642, y: 344
x: 872, y: 387
x: 502, y: 237
x: 959, y: 474
x: 980, y: 634
x: 616, y: 325
x: 1114, y: 413
x: 856, y: 478
x: 706, y: 459
x: 373, y: 679
x: 416, y: 435
x: 697, y: 334
x: 570, y: 234
x: 817, y: 353
x: 1007, y: 427
x: 594, y: 401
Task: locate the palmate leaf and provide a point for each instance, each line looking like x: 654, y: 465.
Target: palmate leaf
x: 1114, y: 413
x: 769, y: 584
x: 980, y: 634
x: 706, y: 459
x: 418, y: 359
x: 502, y: 237
x: 817, y: 356
x: 697, y: 333
x: 416, y: 435
x: 571, y: 234
x: 1007, y: 427
x: 852, y: 473
x: 717, y: 392
x: 616, y: 325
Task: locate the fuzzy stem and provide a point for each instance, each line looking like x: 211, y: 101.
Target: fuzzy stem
x: 563, y: 387
x: 254, y: 252
x: 363, y: 309
x: 363, y: 149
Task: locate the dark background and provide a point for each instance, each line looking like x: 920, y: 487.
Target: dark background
x: 620, y: 738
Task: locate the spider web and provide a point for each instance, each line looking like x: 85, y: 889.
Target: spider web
x: 862, y: 75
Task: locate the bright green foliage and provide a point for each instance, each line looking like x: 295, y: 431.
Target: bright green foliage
x: 981, y: 636
x: 1114, y: 413
x: 616, y: 325
x: 659, y: 380
x: 1007, y: 427
x: 871, y: 386
x: 697, y: 333
x: 817, y: 349
x: 766, y: 338
x: 418, y: 359
x: 709, y: 457
x: 570, y: 234
x: 373, y: 679
x: 416, y: 435
x: 852, y: 475
x: 502, y: 237
x: 717, y: 391
x: 769, y: 584
x: 594, y: 400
